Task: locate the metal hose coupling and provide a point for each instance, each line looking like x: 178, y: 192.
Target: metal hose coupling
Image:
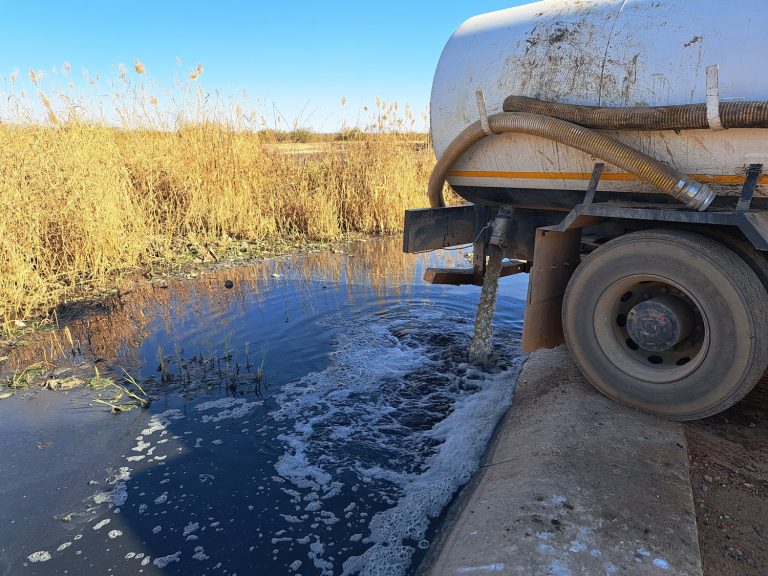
x: 694, y: 194
x: 500, y: 228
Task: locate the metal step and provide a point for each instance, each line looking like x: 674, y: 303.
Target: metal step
x: 459, y: 276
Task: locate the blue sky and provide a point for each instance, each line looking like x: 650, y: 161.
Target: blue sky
x: 301, y: 56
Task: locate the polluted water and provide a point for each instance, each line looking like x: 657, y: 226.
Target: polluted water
x: 482, y: 340
x: 310, y: 415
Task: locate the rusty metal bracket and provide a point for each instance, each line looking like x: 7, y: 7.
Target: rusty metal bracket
x: 589, y: 197
x: 459, y: 276
x: 753, y: 224
x: 556, y: 256
x: 748, y: 190
x: 480, y: 244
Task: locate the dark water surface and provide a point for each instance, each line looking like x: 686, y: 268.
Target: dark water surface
x: 315, y: 419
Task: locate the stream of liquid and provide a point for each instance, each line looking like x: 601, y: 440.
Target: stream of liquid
x: 481, y: 346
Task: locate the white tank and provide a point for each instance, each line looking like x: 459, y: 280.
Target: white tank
x: 604, y: 53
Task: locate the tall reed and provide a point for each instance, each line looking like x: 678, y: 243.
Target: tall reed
x: 90, y: 192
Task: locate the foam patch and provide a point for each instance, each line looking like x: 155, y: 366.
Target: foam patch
x: 399, y: 412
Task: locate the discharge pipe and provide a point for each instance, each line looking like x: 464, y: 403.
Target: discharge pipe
x: 680, y: 186
x: 682, y: 117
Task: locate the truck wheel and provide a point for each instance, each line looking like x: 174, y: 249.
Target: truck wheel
x: 667, y: 321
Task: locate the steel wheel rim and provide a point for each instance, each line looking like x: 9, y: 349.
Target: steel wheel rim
x: 612, y: 334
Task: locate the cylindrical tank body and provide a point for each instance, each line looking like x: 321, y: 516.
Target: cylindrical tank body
x: 603, y: 53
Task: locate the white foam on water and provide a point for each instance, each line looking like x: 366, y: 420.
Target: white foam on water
x: 190, y: 528
x: 100, y: 525
x: 160, y: 422
x: 218, y: 404
x: 115, y: 497
x: 115, y: 534
x: 118, y: 495
x: 163, y: 561
x: 200, y: 554
x: 328, y: 518
x: 230, y: 408
x: 63, y: 546
x: 400, y: 410
x: 316, y: 552
x: 39, y: 556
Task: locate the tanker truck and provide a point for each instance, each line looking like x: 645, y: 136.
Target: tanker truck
x: 614, y: 150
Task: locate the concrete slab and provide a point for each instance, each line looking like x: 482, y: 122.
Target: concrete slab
x: 573, y: 484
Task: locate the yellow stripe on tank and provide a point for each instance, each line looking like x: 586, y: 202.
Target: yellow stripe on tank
x: 614, y: 176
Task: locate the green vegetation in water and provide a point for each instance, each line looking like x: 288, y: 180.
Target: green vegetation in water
x: 125, y: 397
x: 24, y: 378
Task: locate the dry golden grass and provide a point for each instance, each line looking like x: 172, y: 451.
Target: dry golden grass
x: 83, y: 202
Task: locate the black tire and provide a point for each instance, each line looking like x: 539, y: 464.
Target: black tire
x: 743, y: 249
x: 717, y: 364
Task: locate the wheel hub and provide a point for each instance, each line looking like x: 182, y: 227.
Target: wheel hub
x: 660, y: 323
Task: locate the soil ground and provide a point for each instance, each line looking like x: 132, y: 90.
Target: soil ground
x: 728, y: 456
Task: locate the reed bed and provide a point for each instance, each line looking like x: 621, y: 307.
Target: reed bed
x: 87, y: 197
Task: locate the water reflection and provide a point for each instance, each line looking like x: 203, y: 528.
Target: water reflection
x: 116, y: 333
x: 315, y: 418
